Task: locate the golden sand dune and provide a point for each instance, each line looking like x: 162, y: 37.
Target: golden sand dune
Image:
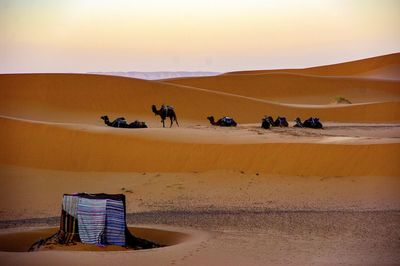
x: 386, y: 66
x: 298, y: 88
x: 45, y: 145
x: 74, y: 97
x: 389, y: 72
x: 368, y: 80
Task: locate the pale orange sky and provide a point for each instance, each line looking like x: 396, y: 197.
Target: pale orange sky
x: 209, y: 35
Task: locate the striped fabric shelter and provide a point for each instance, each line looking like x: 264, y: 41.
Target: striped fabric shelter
x: 94, y: 219
x: 97, y: 219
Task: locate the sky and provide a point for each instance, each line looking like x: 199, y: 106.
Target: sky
x: 178, y: 35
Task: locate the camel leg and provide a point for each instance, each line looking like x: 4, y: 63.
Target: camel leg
x: 163, y: 124
x: 171, y: 122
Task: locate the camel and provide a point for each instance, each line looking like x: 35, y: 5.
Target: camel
x: 137, y: 124
x: 265, y: 123
x: 223, y: 122
x: 121, y: 123
x: 164, y: 112
x: 118, y: 122
x: 312, y: 122
x: 279, y: 122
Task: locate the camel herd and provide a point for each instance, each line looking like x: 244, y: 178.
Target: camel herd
x: 168, y: 112
x: 312, y: 122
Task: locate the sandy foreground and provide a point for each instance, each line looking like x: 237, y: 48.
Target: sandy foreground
x: 217, y: 196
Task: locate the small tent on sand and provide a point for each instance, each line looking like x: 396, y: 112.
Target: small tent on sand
x: 97, y: 219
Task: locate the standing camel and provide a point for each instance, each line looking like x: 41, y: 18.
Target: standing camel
x: 164, y: 112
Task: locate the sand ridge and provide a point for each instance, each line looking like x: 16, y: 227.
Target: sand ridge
x: 48, y: 146
x: 354, y: 68
x: 73, y: 97
x: 298, y: 88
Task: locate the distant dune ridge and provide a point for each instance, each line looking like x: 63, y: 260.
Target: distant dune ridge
x: 356, y: 81
x: 381, y: 67
x: 157, y: 74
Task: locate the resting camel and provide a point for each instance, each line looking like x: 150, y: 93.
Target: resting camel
x: 121, y: 122
x: 279, y: 122
x: 164, y: 112
x: 265, y: 123
x: 223, y: 122
x: 312, y: 122
x: 137, y: 124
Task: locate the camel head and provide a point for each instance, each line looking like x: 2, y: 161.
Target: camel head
x: 104, y: 117
x: 211, y: 119
x: 154, y: 109
x: 297, y: 120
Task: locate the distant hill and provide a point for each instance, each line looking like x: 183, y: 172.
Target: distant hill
x: 158, y: 74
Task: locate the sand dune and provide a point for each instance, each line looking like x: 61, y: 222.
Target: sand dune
x: 365, y: 67
x: 77, y: 98
x: 391, y: 72
x: 298, y: 88
x: 369, y: 80
x: 50, y: 146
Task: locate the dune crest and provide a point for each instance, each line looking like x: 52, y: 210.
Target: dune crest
x: 387, y: 65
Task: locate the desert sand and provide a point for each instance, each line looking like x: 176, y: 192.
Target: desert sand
x: 217, y: 196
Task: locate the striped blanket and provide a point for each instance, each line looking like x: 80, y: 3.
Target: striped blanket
x: 69, y: 221
x: 70, y: 203
x: 115, y: 223
x: 91, y: 219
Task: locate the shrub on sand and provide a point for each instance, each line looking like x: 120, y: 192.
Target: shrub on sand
x: 340, y: 99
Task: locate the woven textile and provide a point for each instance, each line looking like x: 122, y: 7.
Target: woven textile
x: 115, y: 223
x: 70, y: 203
x: 69, y: 221
x: 91, y: 219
